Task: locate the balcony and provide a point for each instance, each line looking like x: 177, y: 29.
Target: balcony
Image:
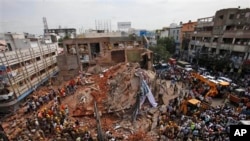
x: 238, y: 48
x: 13, y: 57
x: 194, y: 42
x: 213, y: 45
x: 203, y: 34
x: 199, y: 43
x: 205, y: 24
x: 236, y: 34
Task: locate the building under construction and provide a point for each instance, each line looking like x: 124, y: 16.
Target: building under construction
x: 23, y: 70
x: 82, y: 52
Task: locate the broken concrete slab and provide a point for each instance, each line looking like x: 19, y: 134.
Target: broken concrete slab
x: 95, y: 69
x: 152, y: 111
x: 163, y: 109
x: 155, y: 120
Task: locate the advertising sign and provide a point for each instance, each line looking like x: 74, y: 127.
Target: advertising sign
x: 124, y: 25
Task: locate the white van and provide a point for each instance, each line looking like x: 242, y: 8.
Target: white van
x: 214, y: 81
x: 225, y: 79
x: 210, y: 77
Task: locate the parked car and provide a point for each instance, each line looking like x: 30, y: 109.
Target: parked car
x: 161, y: 67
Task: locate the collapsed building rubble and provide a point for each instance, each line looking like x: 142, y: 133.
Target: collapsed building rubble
x: 115, y: 90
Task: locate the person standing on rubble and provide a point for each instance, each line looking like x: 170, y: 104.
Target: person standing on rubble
x: 175, y: 89
x: 172, y: 83
x: 67, y: 110
x: 28, y: 124
x: 58, y: 98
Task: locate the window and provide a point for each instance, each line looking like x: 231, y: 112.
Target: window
x: 238, y: 16
x: 231, y: 16
x: 247, y: 15
x: 176, y: 37
x: 221, y: 17
x: 215, y: 40
x: 177, y: 31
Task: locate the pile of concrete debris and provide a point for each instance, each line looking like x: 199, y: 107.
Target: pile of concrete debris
x: 115, y: 89
x: 120, y: 93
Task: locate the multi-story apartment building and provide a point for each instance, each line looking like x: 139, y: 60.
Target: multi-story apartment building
x: 162, y: 33
x: 175, y: 33
x: 187, y: 30
x: 80, y: 52
x: 226, y: 33
x: 23, y: 70
x: 89, y: 48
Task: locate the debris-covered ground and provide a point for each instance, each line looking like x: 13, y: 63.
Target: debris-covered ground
x: 70, y: 115
x: 131, y: 106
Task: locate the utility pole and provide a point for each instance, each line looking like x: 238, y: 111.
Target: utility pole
x: 136, y: 107
x: 98, y: 122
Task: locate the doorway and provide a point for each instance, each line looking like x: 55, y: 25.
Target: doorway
x: 95, y: 49
x: 9, y: 47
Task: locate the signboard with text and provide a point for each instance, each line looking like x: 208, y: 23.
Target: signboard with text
x: 239, y: 132
x: 124, y: 25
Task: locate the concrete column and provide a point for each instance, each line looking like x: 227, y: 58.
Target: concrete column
x: 233, y: 41
x: 101, y: 48
x: 247, y: 52
x: 232, y: 45
x: 217, y: 50
x: 65, y: 50
x: 78, y: 57
x: 89, y: 49
x: 218, y: 45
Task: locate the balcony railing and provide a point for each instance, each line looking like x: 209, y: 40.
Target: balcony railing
x: 237, y: 33
x: 20, y: 90
x: 24, y: 55
x: 204, y: 24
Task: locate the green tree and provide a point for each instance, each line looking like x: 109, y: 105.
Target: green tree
x: 60, y: 40
x: 168, y: 43
x: 160, y: 53
x: 132, y: 36
x: 185, y: 43
x: 66, y: 37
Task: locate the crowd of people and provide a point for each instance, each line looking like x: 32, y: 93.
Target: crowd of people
x: 35, y: 102
x: 210, y: 124
x: 50, y: 117
x: 201, y: 124
x: 53, y: 120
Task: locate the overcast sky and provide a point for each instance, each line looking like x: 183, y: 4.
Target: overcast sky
x: 26, y: 15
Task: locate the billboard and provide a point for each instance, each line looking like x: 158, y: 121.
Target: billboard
x: 124, y: 25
